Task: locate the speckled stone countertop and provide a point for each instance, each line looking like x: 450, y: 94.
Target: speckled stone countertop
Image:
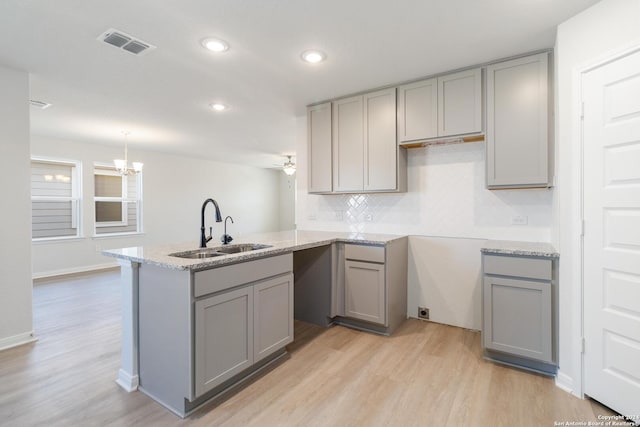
x: 279, y: 242
x: 509, y: 247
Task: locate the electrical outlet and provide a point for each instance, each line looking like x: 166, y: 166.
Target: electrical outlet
x: 519, y: 220
x: 423, y: 313
x: 311, y: 217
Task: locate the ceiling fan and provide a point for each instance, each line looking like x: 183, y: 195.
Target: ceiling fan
x: 288, y: 167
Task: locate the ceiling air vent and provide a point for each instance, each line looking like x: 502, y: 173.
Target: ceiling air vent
x: 124, y: 41
x: 39, y: 104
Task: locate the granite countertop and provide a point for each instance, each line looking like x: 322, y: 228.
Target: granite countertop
x: 512, y: 247
x: 279, y: 242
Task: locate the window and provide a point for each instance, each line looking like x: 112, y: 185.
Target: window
x: 118, y: 201
x: 55, y: 199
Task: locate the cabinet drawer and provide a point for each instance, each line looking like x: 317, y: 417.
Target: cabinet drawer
x: 219, y: 279
x: 364, y: 253
x: 534, y: 268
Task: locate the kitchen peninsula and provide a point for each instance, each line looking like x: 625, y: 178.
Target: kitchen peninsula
x: 194, y: 328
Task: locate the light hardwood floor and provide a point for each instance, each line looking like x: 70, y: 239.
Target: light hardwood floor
x: 425, y: 375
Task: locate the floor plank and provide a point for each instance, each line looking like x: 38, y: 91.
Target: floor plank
x: 426, y: 374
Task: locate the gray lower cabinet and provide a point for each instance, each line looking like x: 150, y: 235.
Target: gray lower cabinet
x: 235, y: 330
x: 201, y: 332
x: 223, y: 337
x: 365, y: 291
x: 518, y: 301
x: 371, y: 287
x: 272, y: 315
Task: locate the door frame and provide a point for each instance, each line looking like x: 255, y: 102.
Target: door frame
x: 577, y: 123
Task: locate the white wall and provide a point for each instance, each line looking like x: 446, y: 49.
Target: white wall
x: 174, y: 189
x: 287, y: 212
x: 15, y: 251
x: 447, y: 211
x: 599, y: 32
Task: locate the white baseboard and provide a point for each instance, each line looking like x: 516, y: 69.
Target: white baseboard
x: 74, y: 270
x: 127, y: 381
x: 565, y: 382
x: 17, y: 340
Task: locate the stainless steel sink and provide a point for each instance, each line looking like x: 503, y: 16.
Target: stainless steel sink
x: 197, y: 254
x: 219, y: 251
x: 234, y: 249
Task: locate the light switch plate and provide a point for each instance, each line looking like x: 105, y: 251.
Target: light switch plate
x: 519, y: 220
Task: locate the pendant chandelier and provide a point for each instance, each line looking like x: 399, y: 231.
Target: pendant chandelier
x: 289, y: 167
x: 122, y: 166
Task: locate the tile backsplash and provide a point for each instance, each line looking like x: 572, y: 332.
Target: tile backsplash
x: 446, y: 197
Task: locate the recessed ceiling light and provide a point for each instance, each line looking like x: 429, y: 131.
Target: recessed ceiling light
x: 215, y: 45
x: 313, y: 56
x: 216, y: 106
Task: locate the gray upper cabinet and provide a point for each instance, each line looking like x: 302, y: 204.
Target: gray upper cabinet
x: 319, y: 143
x: 418, y: 111
x: 380, y: 149
x: 365, y: 153
x: 440, y: 107
x: 517, y: 147
x: 348, y: 145
x: 460, y: 103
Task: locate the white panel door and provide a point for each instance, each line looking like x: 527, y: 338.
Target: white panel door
x: 611, y: 138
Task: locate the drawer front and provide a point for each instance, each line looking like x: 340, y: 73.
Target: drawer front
x: 534, y: 268
x: 364, y: 253
x: 219, y: 279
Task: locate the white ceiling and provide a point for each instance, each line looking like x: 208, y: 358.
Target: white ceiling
x: 162, y: 97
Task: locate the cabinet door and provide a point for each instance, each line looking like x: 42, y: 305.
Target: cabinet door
x: 418, y: 111
x: 273, y: 318
x: 223, y: 337
x: 319, y: 147
x: 348, y: 145
x: 517, y: 123
x: 365, y: 291
x: 460, y: 103
x: 380, y: 148
x: 517, y: 317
